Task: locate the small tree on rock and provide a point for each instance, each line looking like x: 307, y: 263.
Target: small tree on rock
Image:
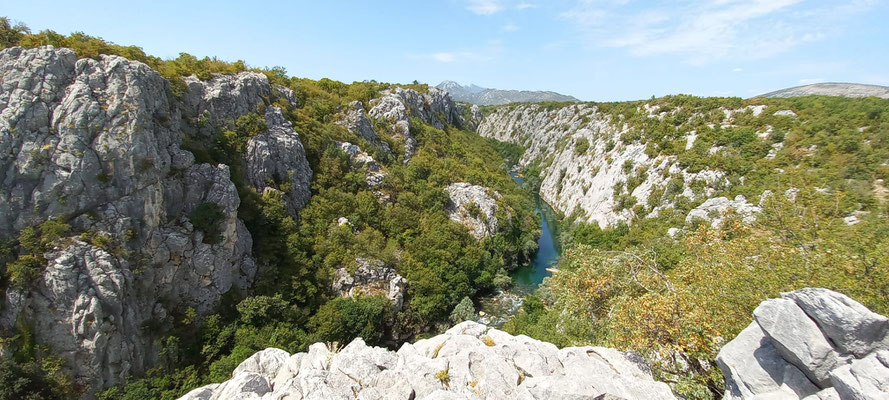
x: 464, y: 311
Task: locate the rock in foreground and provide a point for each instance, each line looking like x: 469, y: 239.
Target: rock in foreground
x: 469, y: 361
x: 812, y: 344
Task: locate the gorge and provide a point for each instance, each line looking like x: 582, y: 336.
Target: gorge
x: 198, y: 229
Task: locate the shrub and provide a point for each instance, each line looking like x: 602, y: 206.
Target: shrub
x: 25, y: 270
x: 206, y: 217
x: 581, y: 145
x: 464, y: 311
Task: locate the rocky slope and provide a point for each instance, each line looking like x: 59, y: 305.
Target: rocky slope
x: 469, y: 361
x: 832, y: 89
x: 97, y: 144
x: 584, y: 181
x: 482, y: 96
x: 810, y: 343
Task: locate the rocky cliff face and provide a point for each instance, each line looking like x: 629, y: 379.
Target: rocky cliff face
x: 469, y: 361
x: 277, y: 156
x: 398, y: 105
x: 96, y: 143
x: 583, y: 178
x: 813, y: 344
x: 475, y: 207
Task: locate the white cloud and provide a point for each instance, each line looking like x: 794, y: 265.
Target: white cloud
x: 810, y: 81
x: 490, y: 50
x: 444, y: 56
x: 738, y: 70
x: 484, y: 7
x: 705, y: 30
x: 524, y: 5
x: 510, y: 28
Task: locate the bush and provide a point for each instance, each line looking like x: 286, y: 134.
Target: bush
x: 29, y: 380
x: 343, y: 319
x: 581, y: 145
x: 206, y: 218
x: 260, y: 310
x: 464, y: 311
x: 25, y: 270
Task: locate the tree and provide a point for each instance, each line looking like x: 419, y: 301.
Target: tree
x: 10, y: 34
x: 464, y: 311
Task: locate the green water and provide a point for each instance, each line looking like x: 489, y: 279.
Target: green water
x: 527, y: 278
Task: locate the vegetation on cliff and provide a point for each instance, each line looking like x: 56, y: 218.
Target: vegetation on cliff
x: 403, y: 223
x: 678, y: 295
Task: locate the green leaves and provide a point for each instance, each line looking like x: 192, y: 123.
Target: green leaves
x: 206, y: 218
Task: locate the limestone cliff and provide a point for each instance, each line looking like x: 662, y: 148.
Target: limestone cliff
x: 97, y: 143
x: 586, y: 166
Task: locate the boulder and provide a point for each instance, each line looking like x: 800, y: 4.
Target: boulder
x: 867, y: 378
x: 809, y: 344
x: 713, y: 210
x: 370, y: 278
x: 849, y: 325
x: 798, y: 339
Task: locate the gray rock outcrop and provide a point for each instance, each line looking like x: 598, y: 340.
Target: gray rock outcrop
x: 475, y: 207
x: 469, y: 361
x: 355, y: 120
x: 810, y: 343
x: 713, y: 210
x: 223, y: 98
x: 372, y: 277
x: 398, y: 105
x: 96, y: 143
x: 277, y: 157
x: 358, y: 159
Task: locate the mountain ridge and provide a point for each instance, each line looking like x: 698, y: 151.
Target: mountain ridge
x: 841, y: 89
x: 486, y: 96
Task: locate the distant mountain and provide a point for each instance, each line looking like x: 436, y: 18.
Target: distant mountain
x: 832, y: 89
x: 484, y: 96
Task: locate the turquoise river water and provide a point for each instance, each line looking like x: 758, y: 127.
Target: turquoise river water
x: 527, y: 278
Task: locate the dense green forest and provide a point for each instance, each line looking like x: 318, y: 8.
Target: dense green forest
x: 679, y: 299
x: 291, y: 305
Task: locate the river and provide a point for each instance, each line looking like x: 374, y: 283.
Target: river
x: 496, y: 310
x: 527, y: 278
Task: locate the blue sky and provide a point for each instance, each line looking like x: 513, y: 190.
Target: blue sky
x: 592, y: 49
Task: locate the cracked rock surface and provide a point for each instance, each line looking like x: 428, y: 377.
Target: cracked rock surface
x: 469, y: 361
x: 812, y: 344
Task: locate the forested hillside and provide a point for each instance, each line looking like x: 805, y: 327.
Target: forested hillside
x: 331, y: 237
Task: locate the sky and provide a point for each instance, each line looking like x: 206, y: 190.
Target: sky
x: 597, y: 50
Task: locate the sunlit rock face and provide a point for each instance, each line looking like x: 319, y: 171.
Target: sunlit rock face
x: 469, y: 361
x: 97, y: 143
x: 810, y: 343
